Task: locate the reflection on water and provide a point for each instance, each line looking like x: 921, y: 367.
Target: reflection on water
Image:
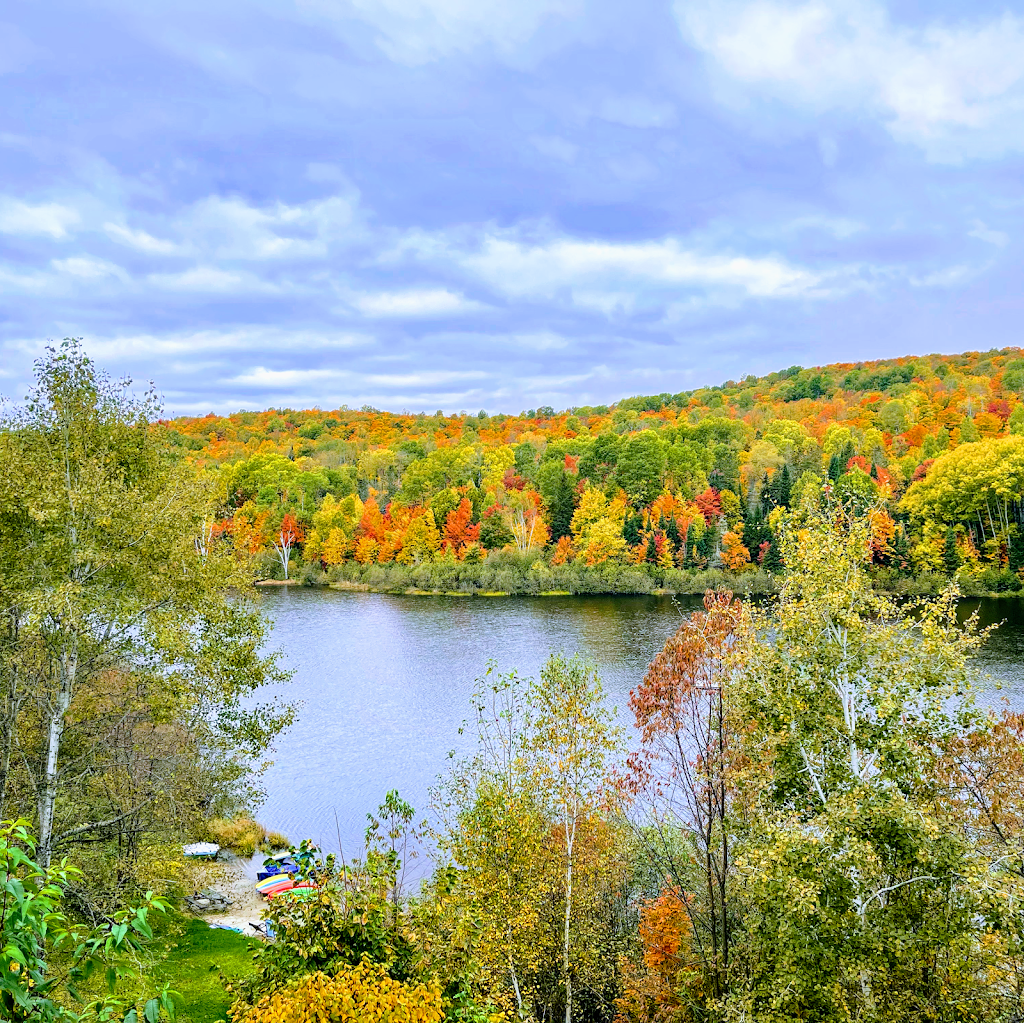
x: 385, y: 683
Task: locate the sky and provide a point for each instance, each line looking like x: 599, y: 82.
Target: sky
x: 503, y: 204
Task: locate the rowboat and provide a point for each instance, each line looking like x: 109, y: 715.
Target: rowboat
x: 201, y: 850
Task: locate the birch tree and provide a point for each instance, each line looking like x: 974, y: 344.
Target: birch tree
x: 574, y: 738
x: 108, y: 566
x: 862, y: 897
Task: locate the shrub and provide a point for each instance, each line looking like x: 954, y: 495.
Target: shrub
x: 242, y: 834
x: 275, y: 840
x: 362, y: 994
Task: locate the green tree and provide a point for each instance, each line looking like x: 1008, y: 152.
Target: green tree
x: 556, y: 488
x: 950, y: 552
x: 864, y: 899
x: 493, y: 832
x: 122, y: 581
x: 640, y: 468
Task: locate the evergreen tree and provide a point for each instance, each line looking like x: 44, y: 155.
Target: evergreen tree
x: 631, y: 529
x: 672, y: 532
x: 708, y: 543
x: 652, y: 548
x: 950, y: 555
x: 785, y: 487
x: 1016, y: 551
x: 901, y: 551
x: 773, y: 556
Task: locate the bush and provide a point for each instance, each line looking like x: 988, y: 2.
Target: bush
x: 242, y: 835
x: 362, y: 994
x: 275, y: 841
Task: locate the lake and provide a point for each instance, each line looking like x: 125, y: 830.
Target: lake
x: 386, y: 682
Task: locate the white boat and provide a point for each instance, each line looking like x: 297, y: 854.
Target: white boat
x: 202, y: 850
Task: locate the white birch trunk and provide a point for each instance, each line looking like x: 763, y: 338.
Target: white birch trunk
x: 55, y: 732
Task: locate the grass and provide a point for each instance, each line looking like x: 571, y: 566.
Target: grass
x: 199, y: 960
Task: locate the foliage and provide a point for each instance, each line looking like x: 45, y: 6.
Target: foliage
x: 46, y: 955
x: 243, y: 835
x: 528, y: 906
x: 360, y: 994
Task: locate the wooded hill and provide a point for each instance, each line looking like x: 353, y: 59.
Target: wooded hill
x: 931, y: 446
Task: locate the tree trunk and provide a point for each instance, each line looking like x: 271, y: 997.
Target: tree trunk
x: 568, y: 913
x: 55, y: 732
x: 9, y: 726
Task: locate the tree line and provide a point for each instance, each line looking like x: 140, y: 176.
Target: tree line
x: 674, y: 483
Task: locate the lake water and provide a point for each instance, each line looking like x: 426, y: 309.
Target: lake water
x: 385, y: 683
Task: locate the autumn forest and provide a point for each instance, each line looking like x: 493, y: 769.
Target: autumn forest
x: 664, y: 491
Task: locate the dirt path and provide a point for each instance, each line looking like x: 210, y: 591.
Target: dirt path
x: 236, y: 883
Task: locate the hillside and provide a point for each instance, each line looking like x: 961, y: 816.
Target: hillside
x: 679, y: 482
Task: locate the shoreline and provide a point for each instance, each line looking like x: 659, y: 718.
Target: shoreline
x: 351, y: 586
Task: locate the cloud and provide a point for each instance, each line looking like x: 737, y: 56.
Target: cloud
x: 416, y: 32
x: 244, y: 339
x: 544, y: 269
x: 231, y: 228
x: 933, y: 84
x: 414, y: 302
x: 88, y: 268
x: 140, y: 240
x: 205, y: 279
x: 988, y: 234
x: 52, y: 219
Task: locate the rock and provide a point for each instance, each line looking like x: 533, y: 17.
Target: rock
x: 201, y: 903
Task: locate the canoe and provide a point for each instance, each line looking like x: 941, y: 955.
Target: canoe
x: 201, y: 850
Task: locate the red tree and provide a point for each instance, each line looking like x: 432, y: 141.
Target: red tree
x: 459, y: 530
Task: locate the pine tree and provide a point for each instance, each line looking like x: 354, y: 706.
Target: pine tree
x: 631, y: 529
x: 1016, y: 551
x: 672, y: 532
x: 785, y: 488
x: 773, y: 556
x: 901, y: 551
x: 950, y: 555
x: 652, y: 548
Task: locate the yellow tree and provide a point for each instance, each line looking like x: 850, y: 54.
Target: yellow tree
x: 574, y: 739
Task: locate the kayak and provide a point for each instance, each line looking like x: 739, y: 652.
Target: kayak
x: 272, y: 882
x: 302, y: 888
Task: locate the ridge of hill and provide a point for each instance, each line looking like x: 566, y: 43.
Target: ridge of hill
x: 956, y: 386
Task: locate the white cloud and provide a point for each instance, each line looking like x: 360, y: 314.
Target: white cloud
x: 88, y: 268
x: 988, y: 234
x: 262, y: 377
x: 247, y: 339
x: 590, y: 268
x: 50, y: 218
x: 426, y: 378
x: 202, y: 278
x: 415, y: 302
x: 935, y: 85
x: 140, y: 240
x: 418, y: 31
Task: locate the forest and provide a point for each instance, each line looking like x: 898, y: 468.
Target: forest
x: 812, y: 815
x: 673, y: 492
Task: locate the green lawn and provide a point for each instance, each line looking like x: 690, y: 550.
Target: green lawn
x: 198, y: 956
